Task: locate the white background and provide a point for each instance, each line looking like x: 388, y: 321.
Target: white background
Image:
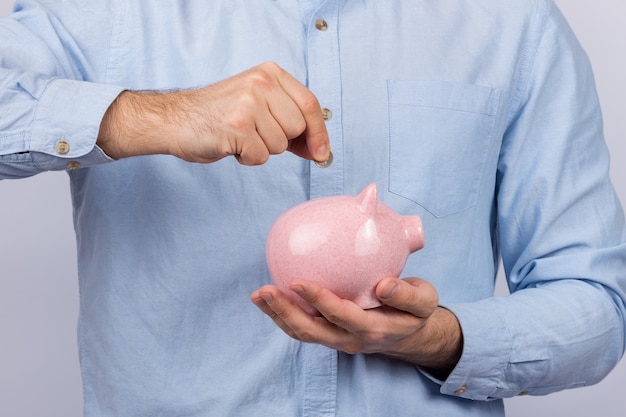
x: 39, y: 371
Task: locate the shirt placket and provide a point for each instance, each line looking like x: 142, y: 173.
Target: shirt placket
x: 320, y: 362
x: 324, y: 79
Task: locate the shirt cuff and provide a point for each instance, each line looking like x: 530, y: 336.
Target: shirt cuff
x: 486, y: 353
x: 67, y: 121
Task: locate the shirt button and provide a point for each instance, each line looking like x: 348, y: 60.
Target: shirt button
x: 62, y: 147
x: 321, y: 24
x: 327, y: 114
x: 461, y: 390
x: 73, y: 165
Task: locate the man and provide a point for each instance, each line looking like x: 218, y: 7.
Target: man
x: 481, y: 117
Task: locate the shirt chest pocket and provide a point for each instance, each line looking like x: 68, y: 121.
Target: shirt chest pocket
x: 440, y: 137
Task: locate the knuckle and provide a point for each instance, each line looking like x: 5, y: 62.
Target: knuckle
x: 279, y: 147
x: 427, y: 295
x: 267, y: 64
x: 373, y: 338
x: 241, y: 121
x: 297, y: 128
x: 334, y: 317
x: 273, y: 315
x: 262, y: 159
x: 310, y: 104
x: 280, y: 316
x: 414, y: 298
x: 313, y: 297
x: 337, y: 316
x: 252, y: 158
x: 420, y: 294
x: 284, y: 146
x: 270, y: 66
x: 260, y: 79
x: 226, y: 148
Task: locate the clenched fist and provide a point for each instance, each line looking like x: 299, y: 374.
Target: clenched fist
x: 252, y: 115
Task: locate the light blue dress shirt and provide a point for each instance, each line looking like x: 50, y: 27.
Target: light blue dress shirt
x: 479, y: 116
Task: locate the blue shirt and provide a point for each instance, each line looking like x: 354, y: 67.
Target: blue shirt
x: 479, y: 116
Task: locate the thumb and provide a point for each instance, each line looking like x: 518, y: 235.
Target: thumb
x: 310, y: 147
x: 413, y: 295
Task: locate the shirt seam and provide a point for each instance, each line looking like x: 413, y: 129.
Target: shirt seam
x: 528, y: 56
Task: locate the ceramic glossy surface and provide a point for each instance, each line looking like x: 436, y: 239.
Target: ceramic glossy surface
x: 345, y: 243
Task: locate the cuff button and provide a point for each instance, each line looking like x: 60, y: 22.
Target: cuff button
x: 461, y: 390
x: 62, y: 147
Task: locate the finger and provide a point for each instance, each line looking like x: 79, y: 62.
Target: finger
x: 285, y: 111
x: 413, y: 295
x: 252, y: 151
x: 295, y: 322
x: 342, y: 313
x: 366, y: 331
x: 265, y: 300
x: 300, y: 147
x: 315, y: 134
x: 272, y: 134
x: 276, y: 117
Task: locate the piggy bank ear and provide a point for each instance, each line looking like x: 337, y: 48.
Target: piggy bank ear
x: 368, y: 199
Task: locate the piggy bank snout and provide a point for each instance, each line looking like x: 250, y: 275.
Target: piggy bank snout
x: 414, y: 232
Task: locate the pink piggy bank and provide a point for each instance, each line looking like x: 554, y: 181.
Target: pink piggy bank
x: 346, y: 244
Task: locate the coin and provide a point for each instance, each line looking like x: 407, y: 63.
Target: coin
x: 325, y: 164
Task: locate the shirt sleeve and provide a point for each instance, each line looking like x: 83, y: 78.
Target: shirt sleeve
x: 52, y: 92
x: 561, y: 233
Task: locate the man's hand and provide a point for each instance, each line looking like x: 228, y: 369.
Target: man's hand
x: 252, y: 115
x: 410, y: 325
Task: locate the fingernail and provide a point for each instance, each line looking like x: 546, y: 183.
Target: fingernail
x: 268, y: 298
x: 297, y: 289
x: 389, y: 290
x: 326, y: 163
x: 321, y: 152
